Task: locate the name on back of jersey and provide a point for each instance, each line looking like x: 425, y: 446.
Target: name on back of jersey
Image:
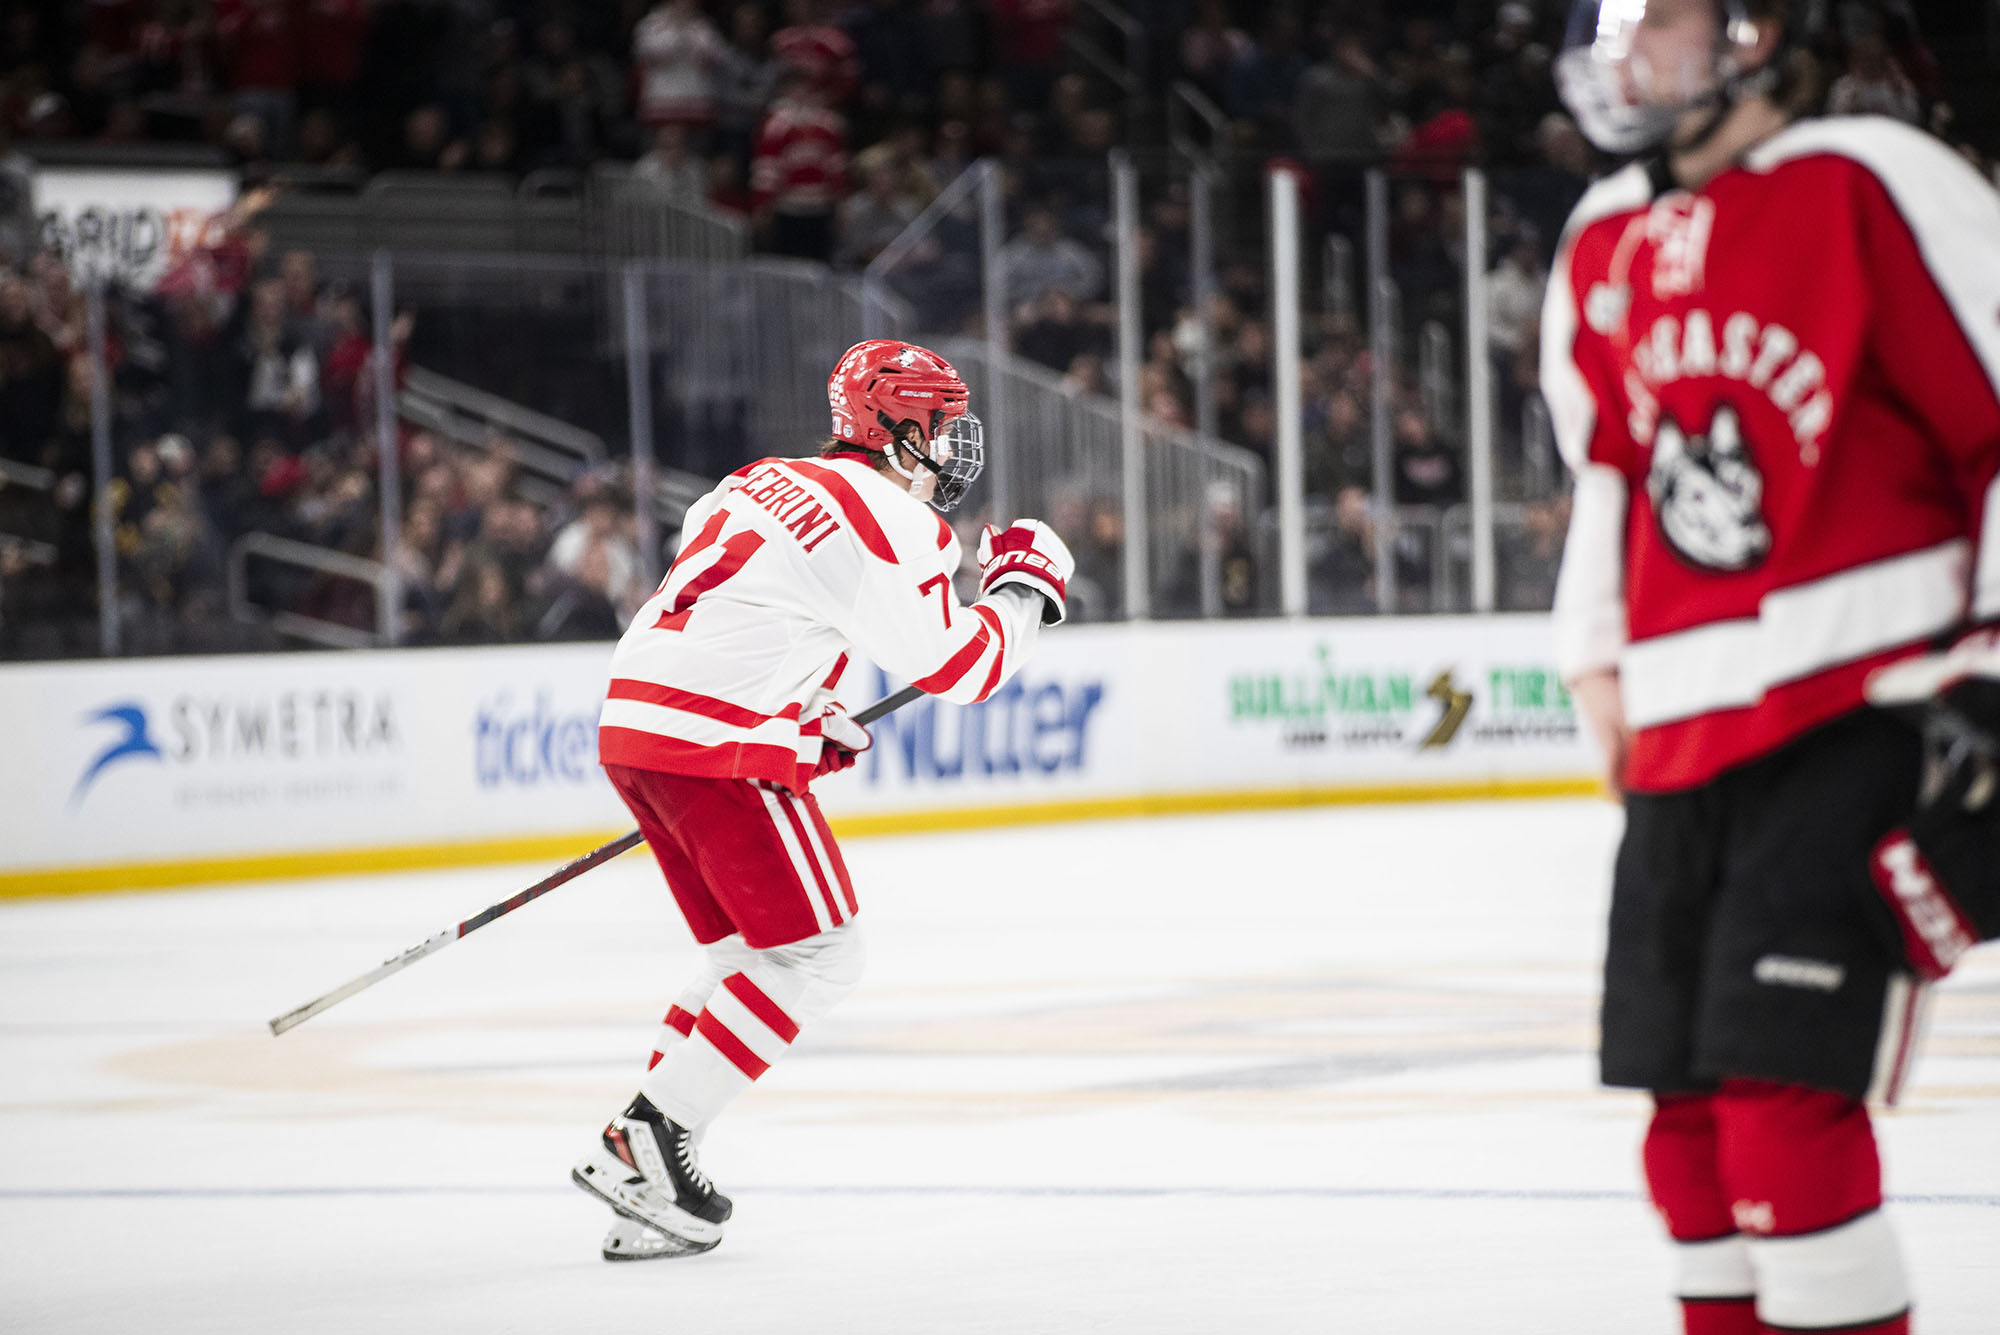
x: 778, y: 492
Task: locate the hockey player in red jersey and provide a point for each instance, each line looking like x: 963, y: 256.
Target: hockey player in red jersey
x: 721, y: 713
x: 1770, y: 349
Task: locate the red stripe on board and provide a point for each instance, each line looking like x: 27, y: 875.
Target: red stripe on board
x: 806, y: 850
x: 692, y: 702
x: 956, y: 666
x: 760, y: 1005
x: 679, y: 1020
x: 851, y: 507
x: 730, y: 1046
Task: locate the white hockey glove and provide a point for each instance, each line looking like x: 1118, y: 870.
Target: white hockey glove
x: 841, y: 740
x: 1027, y: 552
x: 1940, y: 875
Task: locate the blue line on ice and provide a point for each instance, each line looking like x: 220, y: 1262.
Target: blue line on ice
x: 1112, y: 1193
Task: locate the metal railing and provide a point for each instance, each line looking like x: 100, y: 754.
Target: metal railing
x: 302, y: 556
x: 14, y: 473
x: 1126, y: 72
x: 472, y: 416
x: 639, y: 222
x: 32, y: 550
x: 1187, y: 105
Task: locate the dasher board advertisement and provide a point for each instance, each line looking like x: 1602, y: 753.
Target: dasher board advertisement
x: 179, y: 770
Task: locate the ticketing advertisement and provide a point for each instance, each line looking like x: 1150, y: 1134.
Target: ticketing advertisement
x: 436, y: 755
x: 129, y: 225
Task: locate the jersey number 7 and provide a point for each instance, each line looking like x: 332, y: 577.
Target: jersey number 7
x: 942, y: 583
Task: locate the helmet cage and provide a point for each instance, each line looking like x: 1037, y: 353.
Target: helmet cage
x: 1627, y: 102
x: 955, y: 457
x: 963, y: 446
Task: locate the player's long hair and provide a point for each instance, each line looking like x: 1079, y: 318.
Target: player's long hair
x: 1802, y: 63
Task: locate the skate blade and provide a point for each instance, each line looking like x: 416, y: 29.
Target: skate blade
x: 677, y: 1223
x: 658, y: 1247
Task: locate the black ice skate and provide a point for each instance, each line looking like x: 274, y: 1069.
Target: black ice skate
x: 644, y: 1168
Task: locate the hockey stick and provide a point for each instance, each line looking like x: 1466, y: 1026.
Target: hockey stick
x: 562, y: 875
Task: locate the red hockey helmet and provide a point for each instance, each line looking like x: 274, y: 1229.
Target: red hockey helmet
x: 883, y: 387
x: 883, y: 383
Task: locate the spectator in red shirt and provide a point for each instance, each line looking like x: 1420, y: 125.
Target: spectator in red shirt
x: 259, y: 44
x: 818, y: 50
x: 800, y: 170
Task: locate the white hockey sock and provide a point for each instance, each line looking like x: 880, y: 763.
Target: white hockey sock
x: 749, y: 1020
x: 718, y: 960
x: 1837, y: 1278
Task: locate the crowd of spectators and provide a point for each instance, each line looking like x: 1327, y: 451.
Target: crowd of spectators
x: 792, y: 112
x: 242, y: 399
x: 242, y: 386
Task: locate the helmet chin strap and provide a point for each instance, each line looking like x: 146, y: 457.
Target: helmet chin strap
x: 894, y: 456
x: 1730, y: 92
x: 923, y: 460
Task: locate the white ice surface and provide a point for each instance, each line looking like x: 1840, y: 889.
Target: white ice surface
x: 1323, y: 1070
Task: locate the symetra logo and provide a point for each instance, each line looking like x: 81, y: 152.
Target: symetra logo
x: 239, y: 742
x: 132, y: 739
x: 529, y: 745
x: 1025, y: 728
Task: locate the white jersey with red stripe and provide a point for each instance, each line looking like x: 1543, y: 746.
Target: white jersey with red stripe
x: 789, y: 566
x: 1780, y: 396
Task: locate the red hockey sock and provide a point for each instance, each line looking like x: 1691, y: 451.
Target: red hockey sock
x: 1715, y: 1284
x: 1720, y: 1316
x: 1804, y: 1185
x: 1682, y: 1168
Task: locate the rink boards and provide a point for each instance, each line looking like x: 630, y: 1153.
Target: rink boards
x: 156, y: 772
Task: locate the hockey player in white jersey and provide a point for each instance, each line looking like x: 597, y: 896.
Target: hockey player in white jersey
x: 721, y: 713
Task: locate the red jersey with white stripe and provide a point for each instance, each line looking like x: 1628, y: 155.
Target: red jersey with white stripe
x: 788, y: 566
x: 800, y: 163
x: 1778, y: 394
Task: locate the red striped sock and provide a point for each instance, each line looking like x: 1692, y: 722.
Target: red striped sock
x: 1720, y: 1316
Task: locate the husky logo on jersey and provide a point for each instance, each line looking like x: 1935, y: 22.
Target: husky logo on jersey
x: 1709, y: 495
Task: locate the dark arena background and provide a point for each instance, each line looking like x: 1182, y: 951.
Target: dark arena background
x: 1233, y: 967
